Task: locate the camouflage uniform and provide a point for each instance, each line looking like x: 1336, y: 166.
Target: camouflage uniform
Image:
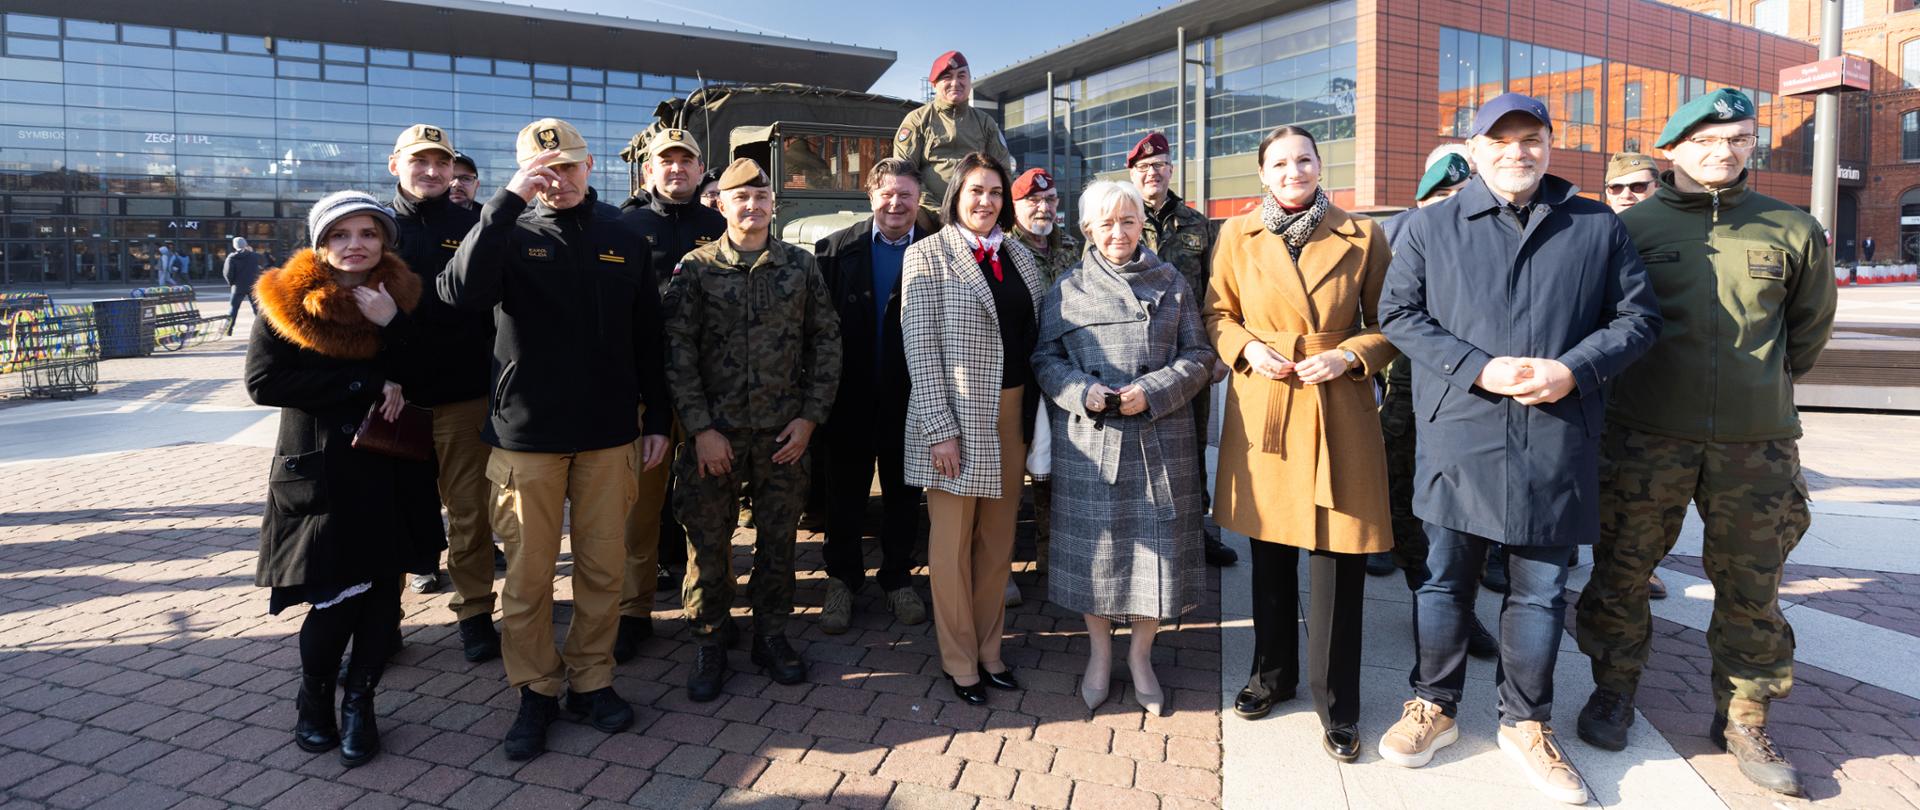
x: 1061, y: 254
x: 749, y: 349
x: 1183, y: 237
x: 1397, y: 425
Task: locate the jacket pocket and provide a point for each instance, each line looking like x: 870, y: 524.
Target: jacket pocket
x: 1430, y: 411
x: 298, y: 483
x: 501, y: 386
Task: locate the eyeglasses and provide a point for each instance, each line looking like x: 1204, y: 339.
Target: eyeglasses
x: 1152, y: 166
x: 1735, y: 141
x: 1637, y: 188
x: 465, y: 180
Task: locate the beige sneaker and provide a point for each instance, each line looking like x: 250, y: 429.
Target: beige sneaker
x: 836, y: 612
x: 1531, y: 744
x: 907, y: 607
x: 1422, y: 730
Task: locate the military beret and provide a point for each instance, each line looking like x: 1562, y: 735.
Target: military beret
x: 1625, y: 163
x: 950, y: 60
x: 1030, y: 181
x: 742, y: 172
x: 1722, y: 106
x: 1449, y: 171
x: 1154, y: 144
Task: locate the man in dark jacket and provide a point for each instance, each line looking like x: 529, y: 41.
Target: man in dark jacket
x: 454, y: 382
x: 861, y: 266
x: 669, y: 214
x: 1519, y: 300
x: 577, y: 350
x: 240, y: 271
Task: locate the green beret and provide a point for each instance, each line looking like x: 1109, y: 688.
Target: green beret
x: 1723, y: 106
x: 1446, y: 172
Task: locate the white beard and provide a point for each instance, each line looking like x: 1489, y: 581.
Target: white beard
x: 1509, y: 181
x: 1041, y: 229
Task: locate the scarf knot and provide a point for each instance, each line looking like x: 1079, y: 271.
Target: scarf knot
x: 987, y: 249
x: 1293, y: 228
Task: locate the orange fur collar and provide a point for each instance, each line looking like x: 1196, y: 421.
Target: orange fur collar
x: 303, y: 304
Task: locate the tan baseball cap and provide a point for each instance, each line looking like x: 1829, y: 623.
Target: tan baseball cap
x: 548, y: 134
x: 742, y: 172
x: 673, y: 139
x: 1625, y: 163
x: 420, y: 138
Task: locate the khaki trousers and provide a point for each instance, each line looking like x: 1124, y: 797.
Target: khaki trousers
x: 531, y: 493
x: 466, y: 495
x: 970, y: 552
x: 643, y: 531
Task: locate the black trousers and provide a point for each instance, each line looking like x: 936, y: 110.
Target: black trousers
x: 850, y: 464
x: 1337, y: 596
x: 370, y: 621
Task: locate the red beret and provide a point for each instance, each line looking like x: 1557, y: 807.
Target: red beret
x: 945, y: 62
x: 1154, y: 144
x: 1030, y: 181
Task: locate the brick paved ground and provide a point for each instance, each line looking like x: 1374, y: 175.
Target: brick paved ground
x: 138, y: 669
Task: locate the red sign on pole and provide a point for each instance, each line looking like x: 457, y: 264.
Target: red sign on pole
x: 1844, y: 73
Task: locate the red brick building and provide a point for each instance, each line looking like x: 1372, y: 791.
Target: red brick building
x: 1382, y: 83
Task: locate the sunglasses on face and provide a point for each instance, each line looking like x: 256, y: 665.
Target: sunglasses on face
x: 1637, y: 188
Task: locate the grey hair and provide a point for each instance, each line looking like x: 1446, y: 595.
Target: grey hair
x: 1104, y: 197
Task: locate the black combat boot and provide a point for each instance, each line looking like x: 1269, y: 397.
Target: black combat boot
x: 315, y: 730
x: 709, y: 671
x: 1604, y: 721
x: 359, y: 733
x: 479, y: 641
x: 1753, y: 749
x: 528, y: 736
x: 603, y: 708
x: 633, y: 630
x: 775, y: 657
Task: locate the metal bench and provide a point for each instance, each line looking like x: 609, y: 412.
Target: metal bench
x: 177, y: 322
x: 52, y: 348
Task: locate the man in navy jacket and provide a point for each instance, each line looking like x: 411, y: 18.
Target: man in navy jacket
x: 1519, y: 300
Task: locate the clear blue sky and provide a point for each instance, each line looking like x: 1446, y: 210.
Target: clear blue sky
x: 992, y: 33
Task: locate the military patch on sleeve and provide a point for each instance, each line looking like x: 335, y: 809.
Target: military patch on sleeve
x: 905, y: 134
x: 676, y: 268
x: 1768, y: 263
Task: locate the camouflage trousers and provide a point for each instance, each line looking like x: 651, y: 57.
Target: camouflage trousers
x: 1397, y: 426
x: 708, y: 507
x: 1753, y: 500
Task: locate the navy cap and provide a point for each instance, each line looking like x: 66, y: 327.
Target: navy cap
x: 1500, y: 106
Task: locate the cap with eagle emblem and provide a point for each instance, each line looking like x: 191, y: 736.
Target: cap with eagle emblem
x: 420, y: 138
x: 548, y: 134
x: 1723, y: 106
x: 672, y: 139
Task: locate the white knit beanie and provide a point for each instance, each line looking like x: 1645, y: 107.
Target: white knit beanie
x: 342, y: 204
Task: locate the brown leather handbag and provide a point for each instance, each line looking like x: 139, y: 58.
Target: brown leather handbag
x: 410, y: 437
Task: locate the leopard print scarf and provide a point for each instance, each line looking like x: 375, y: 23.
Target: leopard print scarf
x: 1293, y: 229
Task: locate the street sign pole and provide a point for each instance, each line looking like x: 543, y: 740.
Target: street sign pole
x: 1826, y: 127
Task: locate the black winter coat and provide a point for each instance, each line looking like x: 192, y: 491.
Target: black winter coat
x: 869, y: 390
x: 456, y: 345
x: 578, y: 344
x: 336, y: 516
x: 672, y: 229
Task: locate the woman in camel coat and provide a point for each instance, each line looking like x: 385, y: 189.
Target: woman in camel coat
x: 1292, y: 308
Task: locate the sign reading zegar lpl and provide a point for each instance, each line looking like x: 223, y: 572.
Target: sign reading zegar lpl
x: 1844, y: 73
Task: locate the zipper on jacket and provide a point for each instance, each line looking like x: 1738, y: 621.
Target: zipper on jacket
x: 1716, y: 205
x: 1713, y: 358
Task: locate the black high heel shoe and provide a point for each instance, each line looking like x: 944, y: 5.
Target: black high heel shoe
x: 999, y: 680
x: 973, y: 694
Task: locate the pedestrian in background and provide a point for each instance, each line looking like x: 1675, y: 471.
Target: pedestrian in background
x: 969, y: 320
x: 335, y: 339
x: 1121, y: 355
x: 241, y: 269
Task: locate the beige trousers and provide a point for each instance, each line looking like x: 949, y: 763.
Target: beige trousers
x: 467, y: 497
x: 969, y: 553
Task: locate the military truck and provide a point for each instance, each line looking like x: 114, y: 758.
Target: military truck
x: 815, y: 142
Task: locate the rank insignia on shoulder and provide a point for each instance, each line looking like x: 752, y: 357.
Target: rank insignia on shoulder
x: 699, y: 241
x: 450, y: 244
x: 611, y: 257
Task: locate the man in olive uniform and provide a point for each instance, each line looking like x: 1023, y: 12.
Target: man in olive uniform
x: 431, y: 227
x: 1183, y: 237
x: 1630, y: 179
x: 1707, y: 418
x: 1036, y: 217
x: 941, y: 132
x: 669, y: 214
x: 753, y: 358
x: 577, y: 351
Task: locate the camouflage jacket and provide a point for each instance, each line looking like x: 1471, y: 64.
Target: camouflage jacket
x: 1184, y: 238
x: 1062, y: 251
x: 750, y: 348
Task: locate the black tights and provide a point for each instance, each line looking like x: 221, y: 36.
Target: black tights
x: 370, y: 620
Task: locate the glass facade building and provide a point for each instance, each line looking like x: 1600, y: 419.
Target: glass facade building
x: 116, y: 137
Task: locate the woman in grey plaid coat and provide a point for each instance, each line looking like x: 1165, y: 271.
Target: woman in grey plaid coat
x: 1123, y: 326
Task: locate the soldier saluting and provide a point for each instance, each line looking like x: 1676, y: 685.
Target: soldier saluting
x: 1707, y: 417
x: 753, y: 360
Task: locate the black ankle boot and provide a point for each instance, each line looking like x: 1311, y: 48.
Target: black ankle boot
x: 359, y: 733
x: 315, y: 730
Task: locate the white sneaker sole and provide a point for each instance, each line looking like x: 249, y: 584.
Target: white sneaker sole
x: 1420, y: 760
x: 1519, y: 758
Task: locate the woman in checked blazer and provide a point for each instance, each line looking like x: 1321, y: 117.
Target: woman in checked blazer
x: 969, y: 319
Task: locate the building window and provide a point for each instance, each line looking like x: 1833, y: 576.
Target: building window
x: 1630, y: 100
x: 1771, y: 16
x: 1910, y: 135
x: 1852, y: 12
x: 1910, y: 63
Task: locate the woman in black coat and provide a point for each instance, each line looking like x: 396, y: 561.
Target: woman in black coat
x: 342, y: 524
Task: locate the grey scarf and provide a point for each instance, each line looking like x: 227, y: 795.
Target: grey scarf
x: 1293, y: 229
